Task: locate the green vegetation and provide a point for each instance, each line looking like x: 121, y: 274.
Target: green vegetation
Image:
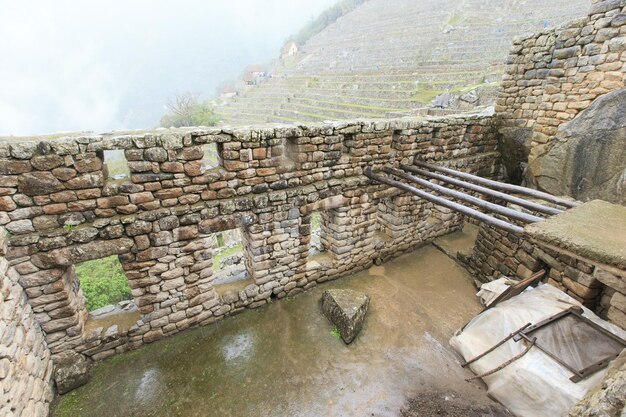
x: 454, y: 20
x: 326, y: 18
x: 426, y: 95
x: 69, y: 227
x: 103, y: 282
x: 316, y: 221
x: 185, y: 110
x: 335, y: 333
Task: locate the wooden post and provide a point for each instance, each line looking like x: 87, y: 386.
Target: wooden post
x: 499, y: 185
x: 447, y: 203
x: 483, y: 190
x: 505, y: 211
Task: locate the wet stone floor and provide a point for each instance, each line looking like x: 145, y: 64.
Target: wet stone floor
x: 283, y: 360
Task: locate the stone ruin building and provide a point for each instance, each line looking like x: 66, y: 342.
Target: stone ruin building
x: 559, y: 120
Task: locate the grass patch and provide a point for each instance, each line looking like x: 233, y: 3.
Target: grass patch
x: 454, y: 20
x: 335, y: 333
x: 103, y: 282
x: 426, y: 96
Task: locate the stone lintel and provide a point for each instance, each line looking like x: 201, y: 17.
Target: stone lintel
x: 594, y: 232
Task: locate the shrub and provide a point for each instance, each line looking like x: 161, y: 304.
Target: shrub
x: 103, y: 282
x: 186, y: 110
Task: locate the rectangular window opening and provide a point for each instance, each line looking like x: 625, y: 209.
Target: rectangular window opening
x: 229, y: 261
x: 211, y: 157
x: 318, y: 244
x: 116, y: 165
x: 347, y: 144
x: 107, y: 294
x: 384, y: 221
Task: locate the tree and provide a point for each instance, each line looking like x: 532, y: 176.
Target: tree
x: 185, y: 110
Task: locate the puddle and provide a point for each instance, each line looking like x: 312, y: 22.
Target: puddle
x: 124, y: 320
x: 282, y: 360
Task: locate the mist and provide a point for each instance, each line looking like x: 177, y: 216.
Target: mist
x: 75, y: 65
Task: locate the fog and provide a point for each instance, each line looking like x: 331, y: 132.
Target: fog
x: 82, y: 65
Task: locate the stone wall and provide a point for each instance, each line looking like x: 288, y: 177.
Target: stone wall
x: 498, y: 253
x: 62, y: 209
x: 555, y: 74
x: 25, y: 364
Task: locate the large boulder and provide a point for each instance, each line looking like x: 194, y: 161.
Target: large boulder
x: 345, y: 309
x: 587, y: 158
x: 71, y: 370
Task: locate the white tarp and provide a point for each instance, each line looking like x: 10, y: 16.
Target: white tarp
x: 535, y: 385
x: 491, y: 290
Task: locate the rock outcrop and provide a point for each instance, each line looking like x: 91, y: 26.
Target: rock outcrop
x: 587, y: 159
x: 346, y: 309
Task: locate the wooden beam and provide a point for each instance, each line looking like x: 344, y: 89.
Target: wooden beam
x: 499, y: 185
x: 483, y: 190
x: 470, y: 212
x: 505, y: 211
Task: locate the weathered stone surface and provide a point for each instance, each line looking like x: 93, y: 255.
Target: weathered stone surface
x: 71, y: 370
x: 39, y: 183
x: 608, y: 398
x: 515, y: 143
x: 80, y: 253
x: 346, y: 309
x: 595, y: 231
x: 587, y: 158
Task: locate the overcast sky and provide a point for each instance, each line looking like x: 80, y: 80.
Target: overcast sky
x: 68, y: 65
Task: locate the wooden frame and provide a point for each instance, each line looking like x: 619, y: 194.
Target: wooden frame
x: 576, y: 312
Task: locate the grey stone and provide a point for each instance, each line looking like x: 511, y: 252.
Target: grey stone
x: 346, y: 309
x: 606, y: 399
x: 71, y: 370
x: 103, y: 310
x: 39, y: 183
x: 442, y: 101
x: 587, y: 159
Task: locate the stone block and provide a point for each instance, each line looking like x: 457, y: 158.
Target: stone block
x: 71, y: 370
x: 346, y: 309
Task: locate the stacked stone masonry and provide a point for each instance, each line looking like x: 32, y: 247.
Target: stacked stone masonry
x: 554, y: 75
x: 25, y: 363
x: 498, y: 253
x: 60, y: 209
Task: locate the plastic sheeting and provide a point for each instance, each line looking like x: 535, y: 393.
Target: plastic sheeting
x: 535, y: 385
x: 491, y: 290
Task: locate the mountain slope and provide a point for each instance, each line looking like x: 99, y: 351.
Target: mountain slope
x: 388, y: 57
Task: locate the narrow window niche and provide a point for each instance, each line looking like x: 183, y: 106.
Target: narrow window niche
x: 229, y: 263
x: 211, y: 159
x: 116, y: 165
x: 384, y: 222
x: 347, y: 144
x: 318, y: 244
x: 107, y: 294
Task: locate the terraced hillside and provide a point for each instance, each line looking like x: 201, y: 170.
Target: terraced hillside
x: 391, y: 56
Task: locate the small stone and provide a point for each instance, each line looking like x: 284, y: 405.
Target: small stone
x: 345, y: 309
x: 103, y: 310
